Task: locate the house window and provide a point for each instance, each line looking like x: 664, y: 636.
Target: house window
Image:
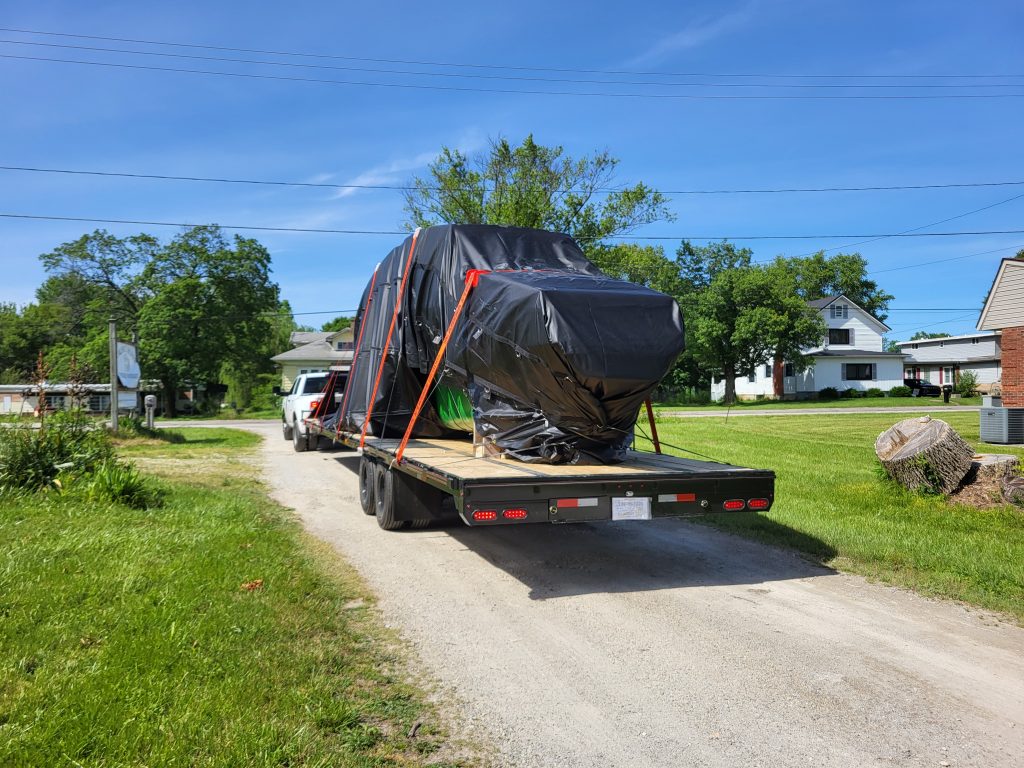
x: 858, y: 372
x: 838, y: 335
x: 789, y: 370
x: 839, y: 311
x: 913, y: 346
x: 974, y: 341
x: 768, y: 370
x: 345, y: 345
x: 752, y: 378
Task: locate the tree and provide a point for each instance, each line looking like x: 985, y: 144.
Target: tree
x: 209, y: 308
x: 819, y: 276
x: 339, y: 323
x: 532, y: 186
x: 203, y: 307
x: 926, y: 335
x: 745, y: 315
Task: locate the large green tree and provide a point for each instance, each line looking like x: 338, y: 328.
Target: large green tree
x: 818, y: 276
x: 532, y: 185
x: 203, y: 307
x: 741, y: 315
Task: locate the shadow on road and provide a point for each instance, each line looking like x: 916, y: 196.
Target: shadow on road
x: 585, y: 558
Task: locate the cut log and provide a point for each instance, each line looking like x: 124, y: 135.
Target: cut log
x: 924, y: 454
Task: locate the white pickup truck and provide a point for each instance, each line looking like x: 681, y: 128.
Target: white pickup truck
x: 306, y: 390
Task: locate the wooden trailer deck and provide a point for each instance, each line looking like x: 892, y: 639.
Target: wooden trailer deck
x: 455, y: 458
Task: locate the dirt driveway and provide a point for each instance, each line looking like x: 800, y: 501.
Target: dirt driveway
x: 669, y: 644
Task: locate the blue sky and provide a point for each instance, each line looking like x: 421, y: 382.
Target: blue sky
x: 74, y: 116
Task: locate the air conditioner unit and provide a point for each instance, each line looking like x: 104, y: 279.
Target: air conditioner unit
x: 1003, y: 426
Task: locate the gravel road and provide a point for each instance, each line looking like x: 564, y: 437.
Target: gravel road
x: 669, y: 644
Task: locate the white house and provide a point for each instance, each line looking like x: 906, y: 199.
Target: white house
x: 314, y: 352
x: 941, y: 361
x: 850, y: 356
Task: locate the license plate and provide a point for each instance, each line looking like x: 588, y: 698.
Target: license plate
x: 631, y: 508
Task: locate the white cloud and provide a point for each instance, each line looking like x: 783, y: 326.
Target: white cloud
x: 698, y: 32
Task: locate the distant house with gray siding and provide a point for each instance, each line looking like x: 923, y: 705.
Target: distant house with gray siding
x: 941, y: 361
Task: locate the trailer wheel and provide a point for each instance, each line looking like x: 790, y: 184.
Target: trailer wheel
x: 384, y: 493
x: 421, y: 522
x: 367, y: 483
x: 300, y: 442
x: 287, y: 430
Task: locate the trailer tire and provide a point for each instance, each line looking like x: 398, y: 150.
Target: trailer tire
x: 287, y: 430
x: 300, y: 442
x: 421, y: 522
x: 367, y: 484
x: 384, y: 502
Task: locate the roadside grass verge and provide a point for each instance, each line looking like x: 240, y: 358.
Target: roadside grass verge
x: 845, y: 402
x: 833, y: 503
x: 207, y: 632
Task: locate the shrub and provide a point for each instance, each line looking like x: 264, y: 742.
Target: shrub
x: 899, y: 391
x: 874, y: 392
x: 851, y: 393
x: 967, y: 383
x: 828, y: 393
x: 120, y: 483
x: 68, y: 444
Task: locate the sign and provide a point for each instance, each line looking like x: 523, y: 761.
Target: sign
x: 127, y: 401
x: 128, y: 371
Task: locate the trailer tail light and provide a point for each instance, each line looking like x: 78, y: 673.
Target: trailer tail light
x: 734, y: 505
x: 515, y: 514
x: 485, y: 514
x: 757, y: 504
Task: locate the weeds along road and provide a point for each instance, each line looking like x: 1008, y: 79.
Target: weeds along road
x: 670, y: 644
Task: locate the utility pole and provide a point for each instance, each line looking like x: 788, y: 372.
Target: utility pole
x: 113, y: 374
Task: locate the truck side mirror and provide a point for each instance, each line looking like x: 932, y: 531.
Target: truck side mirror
x: 277, y: 392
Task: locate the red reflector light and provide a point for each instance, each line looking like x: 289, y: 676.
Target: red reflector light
x: 485, y: 514
x: 734, y: 505
x: 758, y: 504
x: 515, y: 514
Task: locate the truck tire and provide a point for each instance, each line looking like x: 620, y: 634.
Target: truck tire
x: 367, y: 483
x: 286, y: 429
x: 300, y: 442
x: 384, y: 502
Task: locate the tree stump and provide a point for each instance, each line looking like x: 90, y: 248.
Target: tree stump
x: 1013, y: 490
x: 924, y: 454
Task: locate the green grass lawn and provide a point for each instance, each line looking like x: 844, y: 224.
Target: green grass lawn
x: 207, y: 632
x: 850, y: 402
x: 832, y: 503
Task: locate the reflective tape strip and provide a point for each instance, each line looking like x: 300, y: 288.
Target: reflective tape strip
x: 675, y: 498
x: 577, y: 502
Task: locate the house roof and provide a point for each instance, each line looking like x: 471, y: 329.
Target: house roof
x: 827, y: 300
x: 318, y: 351
x: 981, y: 335
x: 1004, y: 307
x: 298, y: 338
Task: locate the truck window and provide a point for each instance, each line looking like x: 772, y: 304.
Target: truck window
x: 314, y: 385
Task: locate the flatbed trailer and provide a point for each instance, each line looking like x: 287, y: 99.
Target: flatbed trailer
x: 437, y: 479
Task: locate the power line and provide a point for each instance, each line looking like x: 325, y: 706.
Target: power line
x: 312, y: 230
x: 909, y: 232
x: 523, y: 92
x: 941, y: 261
x: 516, y: 78
x: 407, y: 188
x: 495, y: 66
